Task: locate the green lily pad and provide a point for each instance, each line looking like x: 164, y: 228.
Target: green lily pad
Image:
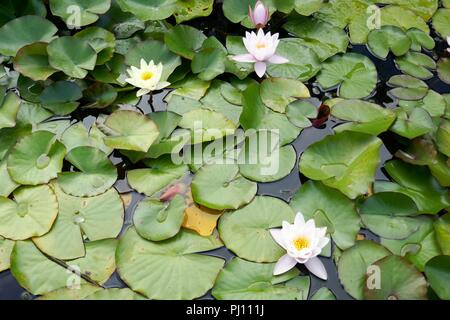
x: 419, y: 247
x: 346, y: 161
x: 114, y: 294
x: 76, y: 293
x: 9, y: 107
x: 303, y: 62
x: 355, y: 74
x: 169, y: 269
x: 323, y: 294
x: 129, y: 130
x: 162, y: 173
x: 78, y: 136
x: 408, y: 88
x: 153, y: 50
x: 61, y: 97
x: 277, y: 93
x: 441, y: 22
x: 32, y: 61
x: 156, y: 221
x: 400, y: 281
x: 365, y: 117
x: 244, y: 280
x: 442, y: 229
x: 403, y: 17
x: 10, y: 136
x: 6, y: 247
x: 329, y: 208
x: 246, y: 231
x: 88, y: 11
x: 323, y: 38
x: 443, y: 138
x: 416, y: 64
x: 39, y: 275
x: 71, y: 55
x: 97, y: 174
x: 267, y: 162
x: 184, y: 40
x: 388, y: 38
x: 149, y: 9
x: 443, y: 69
x: 209, y: 62
x: 417, y: 183
x: 420, y: 39
x: 97, y: 218
x: 30, y: 214
x: 103, y: 42
x: 7, y: 185
x: 437, y: 271
x: 23, y: 31
x: 190, y: 9
x: 387, y: 214
x: 36, y: 159
x: 300, y: 112
x: 220, y: 186
x: 354, y: 264
x: 414, y: 124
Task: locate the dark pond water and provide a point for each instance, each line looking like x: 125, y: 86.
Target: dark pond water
x: 284, y: 189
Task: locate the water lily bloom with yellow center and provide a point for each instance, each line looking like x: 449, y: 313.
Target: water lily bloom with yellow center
x: 303, y: 242
x: 261, y: 49
x: 259, y: 15
x: 147, y: 77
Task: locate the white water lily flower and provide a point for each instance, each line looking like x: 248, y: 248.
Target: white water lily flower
x: 448, y: 41
x: 147, y: 77
x: 261, y: 49
x: 260, y: 15
x: 303, y: 243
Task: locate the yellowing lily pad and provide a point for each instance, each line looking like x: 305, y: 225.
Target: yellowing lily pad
x: 200, y: 219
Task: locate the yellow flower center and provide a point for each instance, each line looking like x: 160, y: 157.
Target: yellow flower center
x: 146, y: 75
x: 301, y: 243
x: 261, y: 45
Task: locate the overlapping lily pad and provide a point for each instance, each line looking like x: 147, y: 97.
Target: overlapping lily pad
x: 6, y: 247
x: 164, y: 270
x: 246, y: 231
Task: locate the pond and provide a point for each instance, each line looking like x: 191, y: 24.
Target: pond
x: 371, y: 156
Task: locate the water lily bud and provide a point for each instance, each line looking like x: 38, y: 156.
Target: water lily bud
x: 259, y: 15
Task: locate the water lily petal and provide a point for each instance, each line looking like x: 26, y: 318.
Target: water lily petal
x: 283, y: 265
x: 142, y: 92
x: 276, y: 59
x: 260, y: 68
x: 277, y: 235
x: 244, y: 58
x: 316, y: 267
x: 299, y: 220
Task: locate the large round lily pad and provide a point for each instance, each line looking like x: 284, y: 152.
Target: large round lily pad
x: 31, y: 214
x: 156, y: 221
x: 6, y: 247
x: 346, y: 161
x: 246, y: 231
x: 169, y: 269
x: 97, y: 174
x: 36, y: 159
x: 244, y: 280
x: 87, y: 11
x: 97, y: 218
x: 354, y: 263
x: 32, y: 61
x: 220, y: 186
x: 399, y: 281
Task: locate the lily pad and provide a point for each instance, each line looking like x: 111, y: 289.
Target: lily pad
x: 329, y: 208
x: 23, y: 31
x: 209, y: 62
x: 443, y: 69
x: 441, y: 22
x: 414, y: 124
x: 323, y: 294
x: 355, y: 75
x: 400, y: 281
x: 346, y: 161
x: 66, y: 294
x: 73, y: 56
x: 244, y: 280
x: 87, y: 10
x: 388, y: 38
x: 184, y: 40
x: 300, y: 112
x: 416, y: 64
x: 156, y: 221
x: 114, y: 294
x: 129, y: 130
x: 437, y: 271
x: 354, y: 264
x: 161, y: 173
x: 6, y: 247
x: 408, y: 88
x: 442, y: 229
x: 149, y: 9
x: 246, y: 231
x: 97, y: 174
x: 365, y: 117
x: 277, y: 93
x: 7, y: 185
x: 78, y: 136
x: 61, y: 97
x: 220, y: 186
x: 97, y: 218
x: 420, y: 39
x: 36, y: 159
x: 190, y: 9
x: 32, y: 61
x: 164, y: 270
x: 9, y: 107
